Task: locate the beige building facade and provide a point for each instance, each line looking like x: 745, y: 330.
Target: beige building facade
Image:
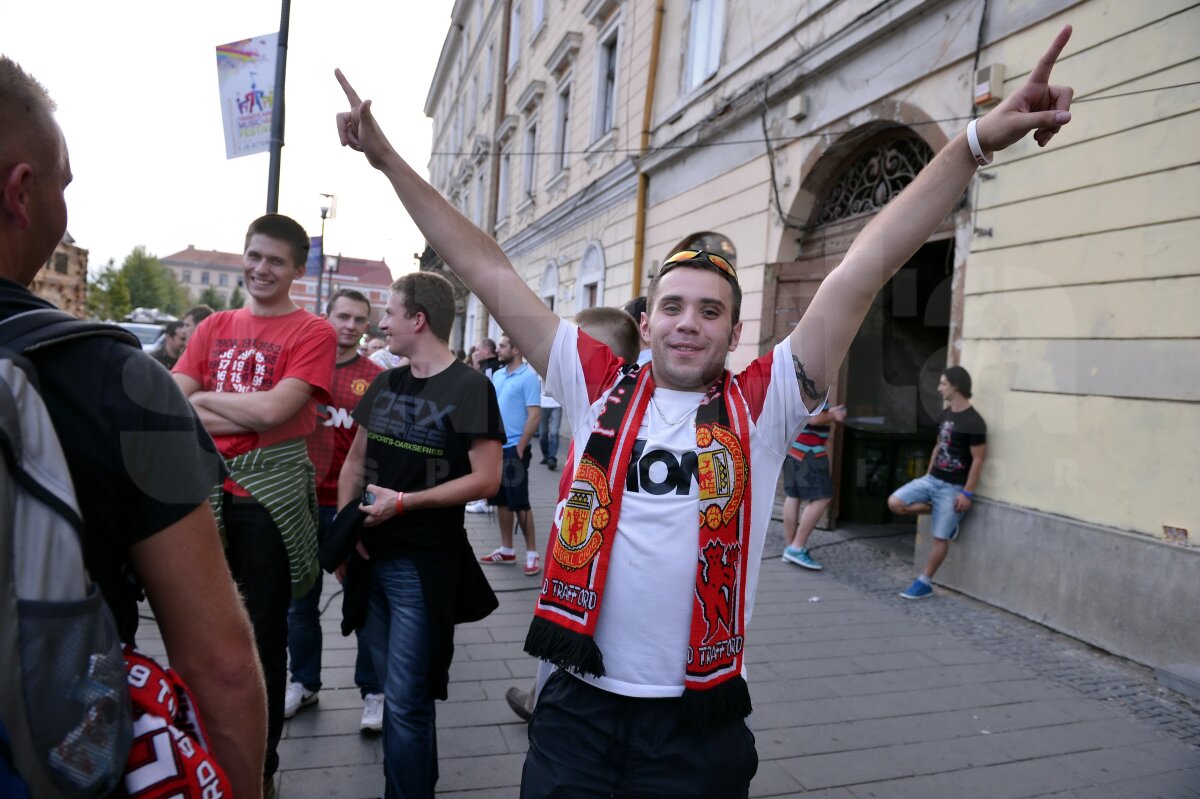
x: 63, y: 278
x: 197, y: 270
x: 774, y: 132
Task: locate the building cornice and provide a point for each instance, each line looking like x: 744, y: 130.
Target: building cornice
x: 597, y: 12
x: 564, y: 53
x: 450, y: 45
x: 532, y: 96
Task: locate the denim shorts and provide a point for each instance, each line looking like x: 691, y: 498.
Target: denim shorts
x: 807, y: 479
x: 514, y: 480
x: 940, y: 495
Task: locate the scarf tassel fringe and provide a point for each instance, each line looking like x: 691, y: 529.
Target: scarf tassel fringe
x: 565, y: 648
x: 729, y: 701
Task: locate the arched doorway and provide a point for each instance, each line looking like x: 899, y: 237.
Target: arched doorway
x: 885, y: 381
x: 709, y: 242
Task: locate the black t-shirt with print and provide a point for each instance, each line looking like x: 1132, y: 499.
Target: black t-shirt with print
x: 957, y: 433
x: 419, y: 434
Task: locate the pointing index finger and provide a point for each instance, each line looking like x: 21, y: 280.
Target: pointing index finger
x: 352, y: 95
x: 1041, y: 72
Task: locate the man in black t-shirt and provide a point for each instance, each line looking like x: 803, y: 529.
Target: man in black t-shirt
x: 174, y: 340
x: 429, y: 439
x: 141, y: 463
x: 948, y: 487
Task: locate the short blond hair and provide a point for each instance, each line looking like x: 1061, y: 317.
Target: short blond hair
x: 26, y: 111
x: 614, y: 327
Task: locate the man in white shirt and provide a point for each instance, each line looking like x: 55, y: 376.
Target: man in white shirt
x: 650, y: 696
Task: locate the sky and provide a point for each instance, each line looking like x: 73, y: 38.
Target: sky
x: 136, y: 86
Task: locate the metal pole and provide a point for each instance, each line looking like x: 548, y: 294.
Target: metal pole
x: 321, y: 263
x: 277, y: 110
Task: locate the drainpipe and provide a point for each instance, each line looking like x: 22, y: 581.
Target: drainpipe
x: 639, y: 233
x: 500, y: 98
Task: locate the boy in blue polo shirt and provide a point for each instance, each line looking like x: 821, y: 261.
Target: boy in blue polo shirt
x: 520, y: 396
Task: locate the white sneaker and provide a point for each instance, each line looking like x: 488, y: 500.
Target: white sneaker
x: 478, y: 506
x: 372, y: 717
x: 298, y: 696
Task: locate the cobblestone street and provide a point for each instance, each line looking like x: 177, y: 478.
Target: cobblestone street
x: 858, y: 694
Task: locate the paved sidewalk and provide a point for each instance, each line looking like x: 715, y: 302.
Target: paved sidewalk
x: 857, y: 693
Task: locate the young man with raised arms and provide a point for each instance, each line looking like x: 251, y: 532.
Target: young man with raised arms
x: 644, y: 613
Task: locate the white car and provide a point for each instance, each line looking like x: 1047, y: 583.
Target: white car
x: 150, y: 335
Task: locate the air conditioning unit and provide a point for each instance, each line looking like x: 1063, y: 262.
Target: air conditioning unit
x: 989, y: 85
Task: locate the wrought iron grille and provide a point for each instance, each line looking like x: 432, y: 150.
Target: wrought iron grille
x: 877, y: 176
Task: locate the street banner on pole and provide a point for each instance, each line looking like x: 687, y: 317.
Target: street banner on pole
x: 246, y: 76
x: 312, y: 267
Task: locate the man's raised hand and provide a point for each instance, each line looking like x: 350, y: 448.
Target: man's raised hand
x: 358, y: 129
x: 1036, y: 106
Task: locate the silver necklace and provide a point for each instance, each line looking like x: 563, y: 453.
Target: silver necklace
x: 663, y: 416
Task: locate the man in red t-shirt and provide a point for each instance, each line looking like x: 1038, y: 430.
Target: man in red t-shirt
x: 255, y: 376
x: 349, y: 312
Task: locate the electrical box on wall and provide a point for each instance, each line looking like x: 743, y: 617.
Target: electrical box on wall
x: 989, y: 85
x: 797, y: 107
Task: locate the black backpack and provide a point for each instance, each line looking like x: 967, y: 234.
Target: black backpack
x: 64, y: 701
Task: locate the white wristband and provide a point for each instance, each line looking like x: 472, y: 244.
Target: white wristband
x: 973, y: 143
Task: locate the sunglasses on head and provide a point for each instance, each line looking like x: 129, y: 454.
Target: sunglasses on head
x: 698, y: 258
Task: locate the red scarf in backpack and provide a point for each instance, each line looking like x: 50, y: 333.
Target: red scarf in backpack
x: 564, y: 624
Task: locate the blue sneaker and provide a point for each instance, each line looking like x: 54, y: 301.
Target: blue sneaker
x: 918, y: 590
x: 801, y: 557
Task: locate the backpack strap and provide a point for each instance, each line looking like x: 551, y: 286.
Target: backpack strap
x: 32, y: 330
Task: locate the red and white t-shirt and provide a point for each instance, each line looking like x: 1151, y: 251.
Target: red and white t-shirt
x: 329, y: 443
x: 647, y: 610
x: 238, y: 351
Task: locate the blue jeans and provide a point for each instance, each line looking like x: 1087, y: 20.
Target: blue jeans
x: 304, y: 633
x: 548, y: 432
x: 398, y: 638
x: 940, y: 496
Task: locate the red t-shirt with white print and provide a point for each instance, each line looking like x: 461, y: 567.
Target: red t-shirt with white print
x: 238, y: 351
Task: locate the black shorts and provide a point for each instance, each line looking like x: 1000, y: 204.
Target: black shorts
x: 807, y: 479
x: 585, y: 743
x: 514, y: 481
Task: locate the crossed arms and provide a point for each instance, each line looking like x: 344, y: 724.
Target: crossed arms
x: 226, y: 413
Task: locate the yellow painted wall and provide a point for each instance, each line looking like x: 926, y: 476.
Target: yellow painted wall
x: 1094, y: 240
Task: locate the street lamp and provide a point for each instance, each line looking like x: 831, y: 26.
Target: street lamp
x: 328, y: 211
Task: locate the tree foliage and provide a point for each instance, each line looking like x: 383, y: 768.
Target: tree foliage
x: 212, y: 298
x: 108, y: 294
x: 152, y: 285
x: 236, y: 298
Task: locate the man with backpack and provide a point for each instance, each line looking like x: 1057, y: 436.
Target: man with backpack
x: 141, y: 463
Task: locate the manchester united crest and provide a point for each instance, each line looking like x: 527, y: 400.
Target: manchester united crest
x: 359, y: 386
x: 585, y: 517
x: 722, y: 475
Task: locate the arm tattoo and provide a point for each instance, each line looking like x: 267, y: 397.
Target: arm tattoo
x: 807, y: 386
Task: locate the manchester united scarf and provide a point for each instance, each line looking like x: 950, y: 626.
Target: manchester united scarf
x: 564, y: 623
